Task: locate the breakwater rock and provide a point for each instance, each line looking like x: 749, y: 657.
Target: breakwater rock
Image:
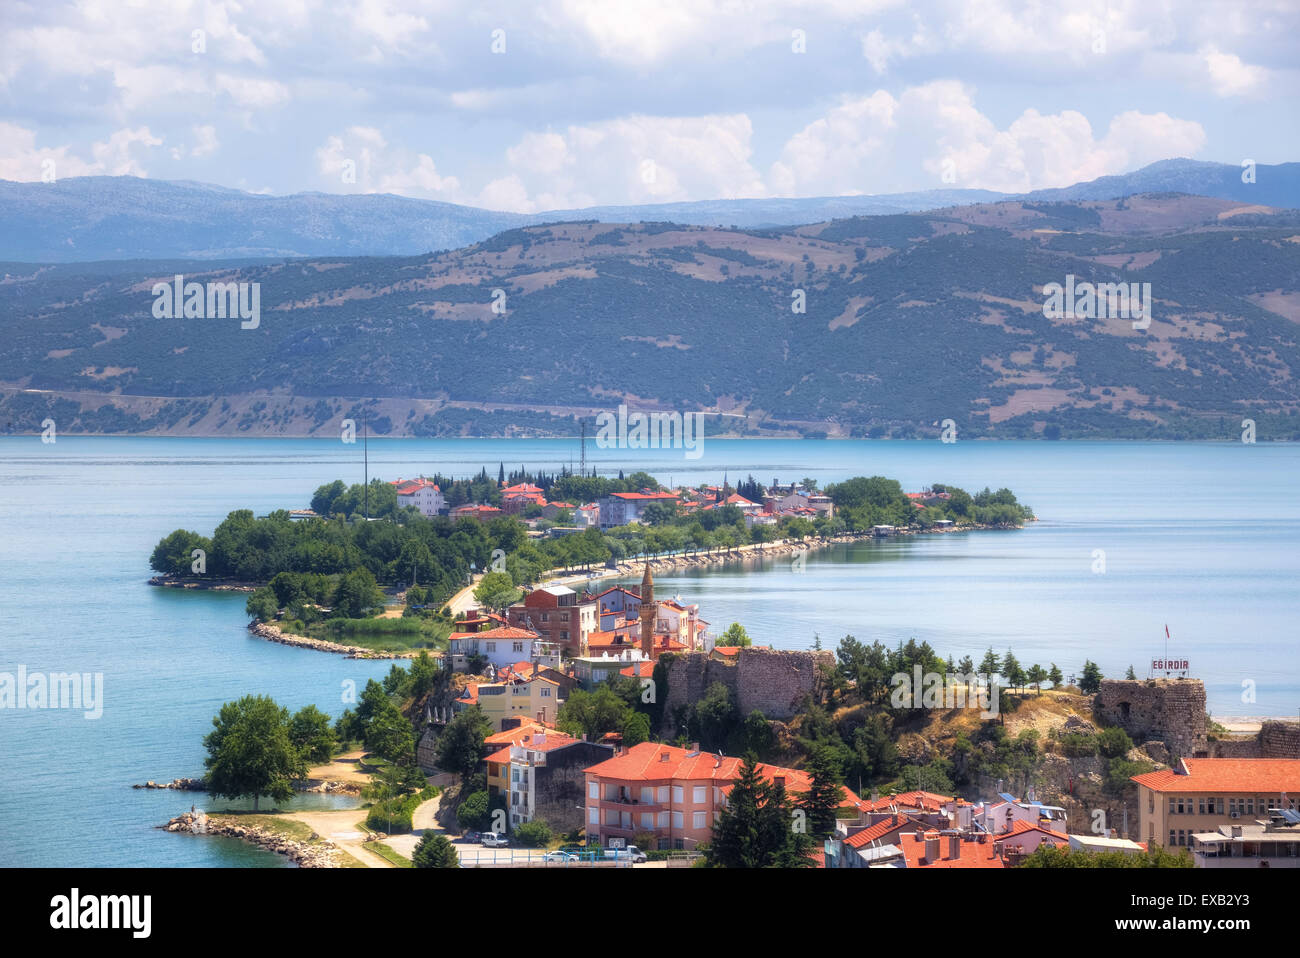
x: 316, y: 852
x: 180, y: 784
x: 274, y: 633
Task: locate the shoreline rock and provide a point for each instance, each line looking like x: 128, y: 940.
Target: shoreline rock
x: 180, y: 784
x: 322, y: 786
x: 319, y: 853
x: 217, y: 585
x: 274, y: 633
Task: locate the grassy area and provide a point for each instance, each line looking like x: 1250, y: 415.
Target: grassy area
x: 383, y: 635
x: 388, y: 854
x: 278, y: 825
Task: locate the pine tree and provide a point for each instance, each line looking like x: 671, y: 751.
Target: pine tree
x: 991, y: 664
x: 824, y: 796
x: 1055, y: 677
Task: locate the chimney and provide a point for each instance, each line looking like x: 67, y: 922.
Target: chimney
x: 663, y: 756
x: 778, y: 780
x: 932, y: 849
x: 954, y: 846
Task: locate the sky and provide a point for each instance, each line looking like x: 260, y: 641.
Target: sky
x: 537, y: 105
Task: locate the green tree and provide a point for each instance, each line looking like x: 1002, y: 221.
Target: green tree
x: 636, y: 729
x: 991, y: 664
x: 735, y: 635
x: 261, y: 605
x: 250, y: 751
x: 824, y: 796
x: 1130, y: 674
x: 1036, y: 676
x: 1090, y: 680
x: 310, y: 732
x: 496, y: 590
x: 460, y: 746
x: 593, y: 713
x: 534, y: 834
x: 357, y: 594
x: 435, y: 851
x: 755, y: 830
x: 1055, y: 677
x: 174, y: 555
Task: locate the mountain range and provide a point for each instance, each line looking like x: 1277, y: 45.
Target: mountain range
x: 84, y: 219
x: 864, y: 326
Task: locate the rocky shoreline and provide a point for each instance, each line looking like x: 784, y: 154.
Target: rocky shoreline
x: 217, y: 585
x: 274, y: 633
x: 317, y: 785
x: 315, y: 853
x: 745, y: 553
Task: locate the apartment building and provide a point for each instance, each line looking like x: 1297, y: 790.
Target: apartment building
x: 675, y: 794
x: 558, y: 614
x: 1200, y: 795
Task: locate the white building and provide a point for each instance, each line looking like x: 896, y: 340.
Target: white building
x: 421, y: 493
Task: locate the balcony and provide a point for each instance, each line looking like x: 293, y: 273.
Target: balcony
x: 631, y: 804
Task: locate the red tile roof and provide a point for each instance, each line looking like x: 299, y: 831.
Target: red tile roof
x: 927, y: 801
x: 879, y: 830
x: 970, y: 854
x: 1254, y: 775
x: 643, y: 670
x: 643, y: 763
x: 551, y: 742
x: 1021, y: 826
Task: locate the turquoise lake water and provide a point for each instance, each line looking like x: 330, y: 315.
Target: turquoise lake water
x: 1200, y: 536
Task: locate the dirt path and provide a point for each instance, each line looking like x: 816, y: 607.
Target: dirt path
x: 343, y: 768
x: 423, y: 820
x: 342, y: 827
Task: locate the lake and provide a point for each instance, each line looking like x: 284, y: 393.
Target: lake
x: 1201, y: 537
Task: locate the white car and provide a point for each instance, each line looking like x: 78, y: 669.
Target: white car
x: 493, y: 840
x: 558, y: 856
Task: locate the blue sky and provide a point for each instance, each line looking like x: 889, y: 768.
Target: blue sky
x: 555, y: 104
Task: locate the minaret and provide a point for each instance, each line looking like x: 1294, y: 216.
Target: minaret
x: 649, y: 612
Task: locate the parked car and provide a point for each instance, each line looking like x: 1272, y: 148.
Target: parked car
x: 471, y: 836
x: 631, y: 853
x: 493, y: 840
x: 560, y: 856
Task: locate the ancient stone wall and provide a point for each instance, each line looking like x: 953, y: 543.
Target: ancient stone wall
x: 1170, y: 710
x: 774, y: 682
x: 1279, y: 740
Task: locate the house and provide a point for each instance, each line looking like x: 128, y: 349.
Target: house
x: 536, y: 698
x: 616, y: 605
x: 525, y: 670
x: 424, y: 495
x: 870, y: 846
x: 948, y: 849
x: 1024, y: 838
x: 675, y: 794
x: 475, y: 511
x: 503, y: 645
x: 1004, y: 815
x: 624, y: 508
x: 559, y: 614
x: 541, y: 776
x: 591, y: 670
x: 1199, y: 795
x: 588, y: 516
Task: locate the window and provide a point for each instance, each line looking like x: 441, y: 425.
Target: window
x: 647, y: 820
x: 1218, y: 805
x: 1200, y: 806
x: 701, y: 819
x: 519, y: 646
x: 1173, y: 837
x: 677, y: 820
x: 1250, y: 805
x: 1182, y: 837
x: 1232, y: 806
x: 663, y: 819
x: 663, y: 794
x: 593, y: 790
x: 1173, y: 804
x: 678, y: 797
x: 648, y: 794
x: 546, y: 693
x: 699, y: 797
x: 490, y: 647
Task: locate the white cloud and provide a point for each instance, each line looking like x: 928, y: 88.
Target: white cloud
x: 21, y: 159
x: 1229, y: 76
x: 360, y: 160
x: 937, y: 127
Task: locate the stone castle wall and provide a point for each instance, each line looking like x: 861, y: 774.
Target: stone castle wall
x: 771, y: 681
x: 1279, y: 740
x: 1169, y: 710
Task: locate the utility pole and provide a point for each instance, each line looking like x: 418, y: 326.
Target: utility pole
x: 365, y: 452
x: 583, y: 461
